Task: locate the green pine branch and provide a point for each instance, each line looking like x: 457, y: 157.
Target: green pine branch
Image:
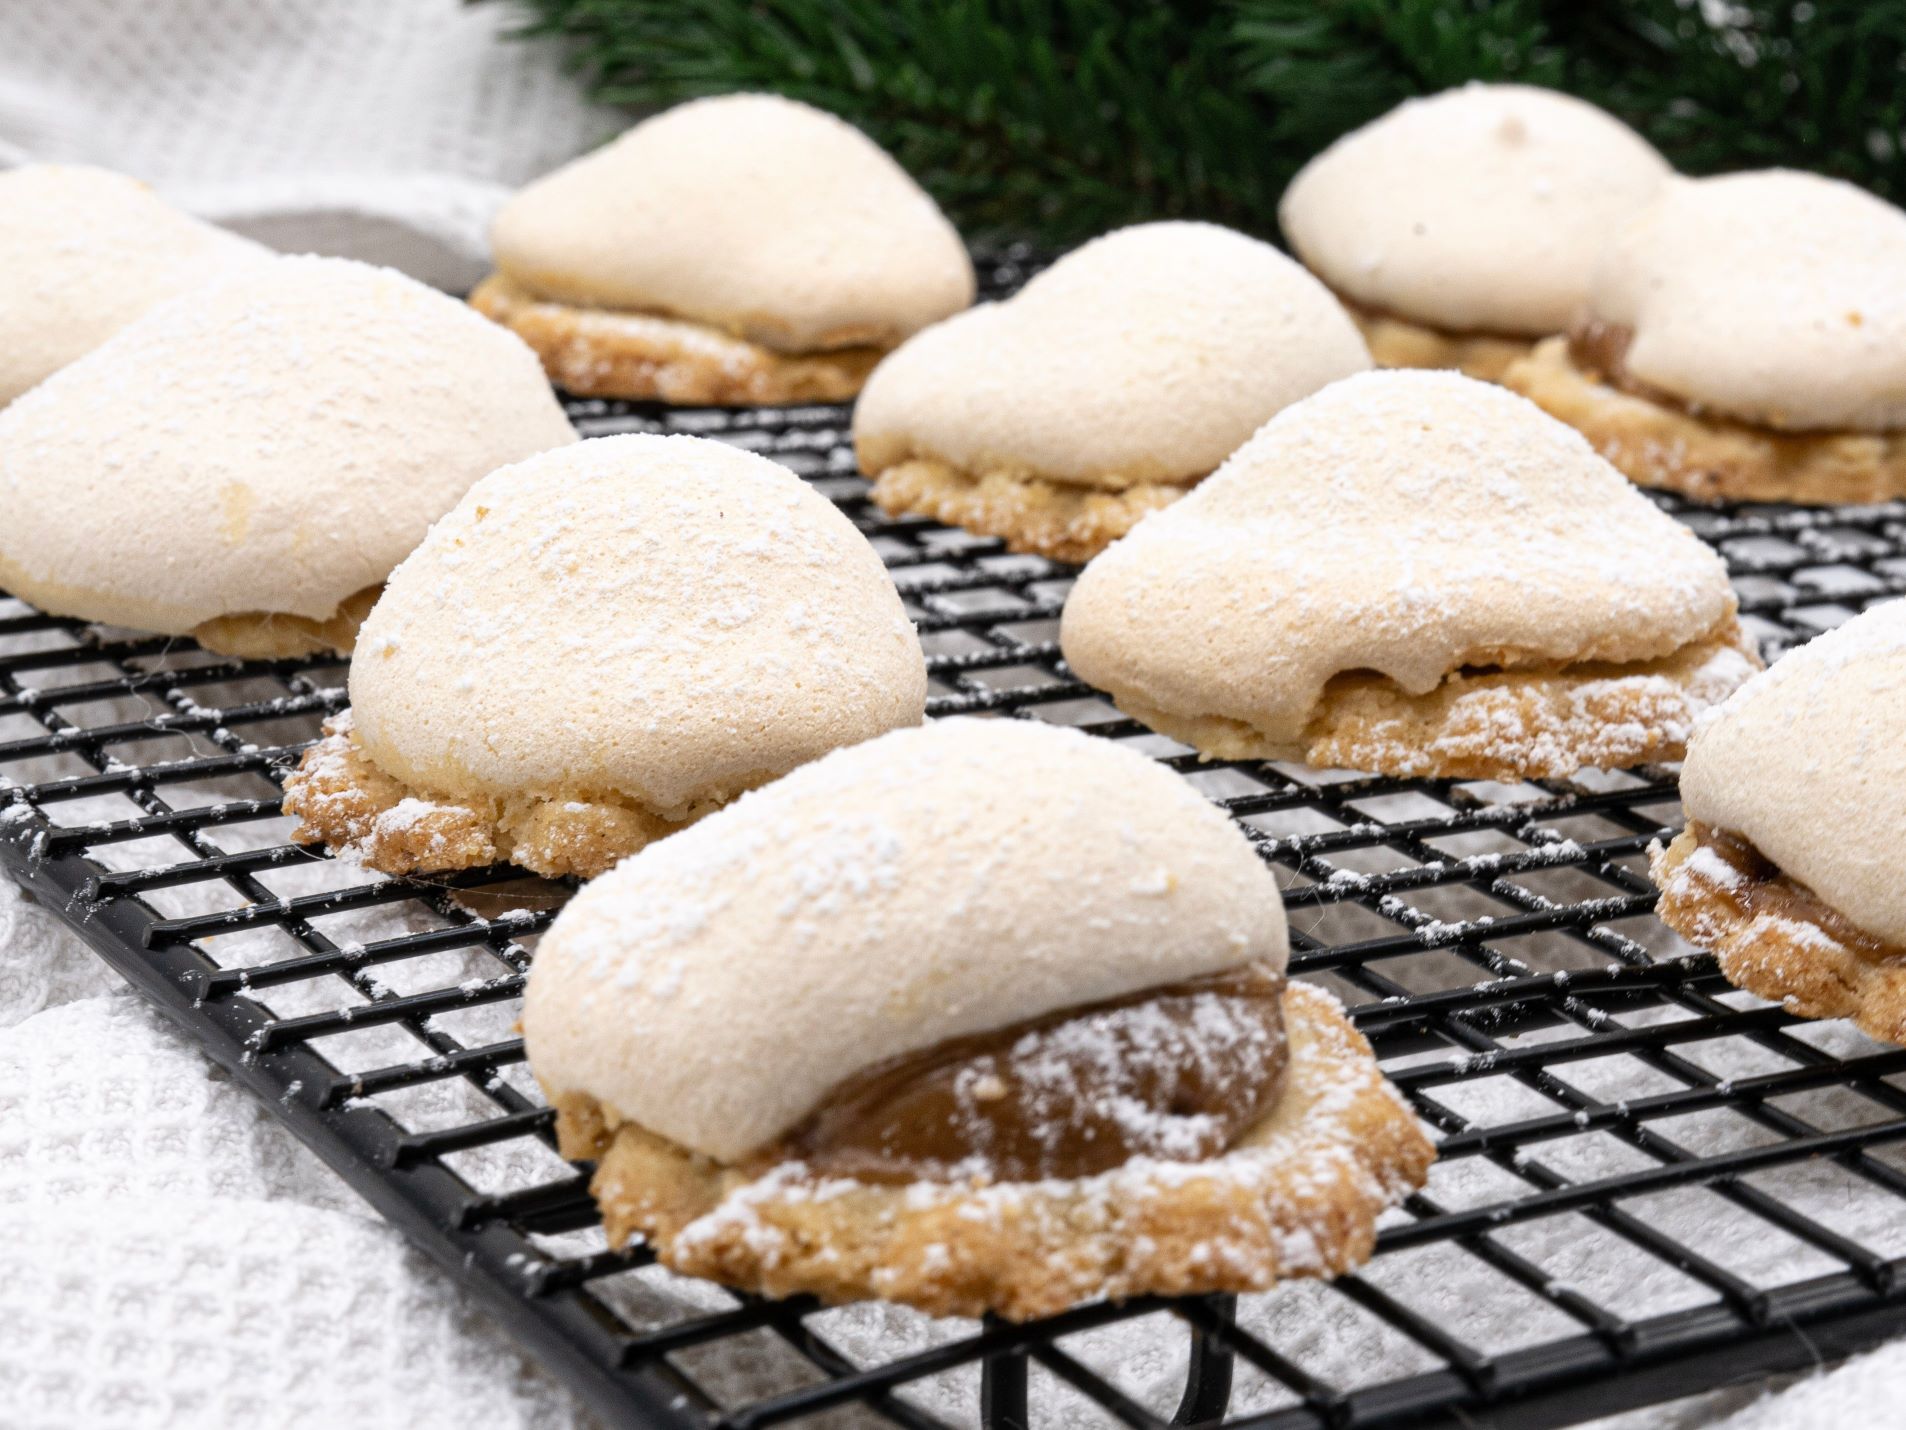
x: 1057, y: 119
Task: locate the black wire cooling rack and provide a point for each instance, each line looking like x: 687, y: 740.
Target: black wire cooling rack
x: 1650, y: 1184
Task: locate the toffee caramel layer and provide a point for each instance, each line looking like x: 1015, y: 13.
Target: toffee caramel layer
x: 1775, y: 937
x: 1296, y: 1194
x: 1178, y: 1071
x: 1658, y: 440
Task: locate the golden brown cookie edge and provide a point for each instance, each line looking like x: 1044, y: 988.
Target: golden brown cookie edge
x: 1813, y: 974
x: 1032, y: 515
x: 275, y: 635
x: 1397, y: 342
x: 1032, y: 1249
x: 1709, y: 458
x: 646, y: 357
x: 338, y: 794
x: 1456, y: 730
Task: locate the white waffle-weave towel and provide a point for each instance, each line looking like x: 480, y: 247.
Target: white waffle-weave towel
x: 386, y: 130
x: 174, y: 1258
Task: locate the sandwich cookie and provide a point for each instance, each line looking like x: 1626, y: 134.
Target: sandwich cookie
x: 741, y: 250
x: 1104, y: 390
x: 985, y: 1016
x: 246, y: 463
x: 1462, y: 227
x: 1795, y: 793
x: 87, y: 251
x: 1413, y: 573
x: 597, y: 647
x: 1745, y: 339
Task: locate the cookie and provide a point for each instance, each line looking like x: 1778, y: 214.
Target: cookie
x: 267, y: 448
x: 597, y: 647
x: 742, y: 249
x: 986, y: 1016
x: 87, y: 251
x: 1106, y: 388
x: 1793, y: 791
x: 1413, y: 573
x: 1463, y: 226
x: 1744, y: 339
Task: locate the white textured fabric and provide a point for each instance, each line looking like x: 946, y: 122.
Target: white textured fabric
x: 387, y: 130
x: 1863, y: 1394
x: 175, y: 1258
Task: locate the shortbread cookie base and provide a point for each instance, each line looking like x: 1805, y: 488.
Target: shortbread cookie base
x: 1791, y: 961
x: 597, y: 352
x: 1710, y: 458
x: 345, y: 802
x: 1395, y: 342
x: 1032, y: 514
x: 1298, y: 1196
x: 268, y: 635
x: 1505, y: 724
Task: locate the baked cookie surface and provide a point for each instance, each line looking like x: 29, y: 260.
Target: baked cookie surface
x: 85, y: 252
x: 1296, y: 1195
x: 741, y: 249
x: 1775, y: 937
x: 1109, y: 385
x: 1397, y: 342
x: 1795, y: 793
x: 1060, y: 520
x: 1524, y: 723
x: 597, y: 352
x: 1413, y: 573
x: 595, y: 648
x: 1744, y: 339
x: 1478, y: 210
x: 270, y: 446
x: 1002, y: 1026
x: 1659, y: 443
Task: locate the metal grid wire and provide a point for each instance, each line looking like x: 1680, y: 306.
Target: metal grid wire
x: 1650, y: 1184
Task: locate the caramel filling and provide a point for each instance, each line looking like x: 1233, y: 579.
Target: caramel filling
x: 1601, y: 350
x: 1177, y: 1073
x: 1763, y: 889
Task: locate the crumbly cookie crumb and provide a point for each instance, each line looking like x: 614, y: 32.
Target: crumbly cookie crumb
x: 644, y: 356
x: 345, y: 802
x: 1543, y: 723
x: 1397, y: 342
x: 1297, y: 1196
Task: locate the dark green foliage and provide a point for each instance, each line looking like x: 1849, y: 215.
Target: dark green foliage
x: 1055, y: 119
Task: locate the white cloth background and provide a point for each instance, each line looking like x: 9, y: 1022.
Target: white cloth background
x: 379, y: 129
x: 170, y: 1256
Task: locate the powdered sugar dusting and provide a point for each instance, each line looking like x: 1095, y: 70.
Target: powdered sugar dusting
x: 275, y: 441
x: 632, y: 615
x: 932, y: 883
x: 1407, y: 523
